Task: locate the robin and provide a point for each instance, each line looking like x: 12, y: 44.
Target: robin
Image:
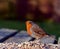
x: 34, y: 30
x: 38, y: 33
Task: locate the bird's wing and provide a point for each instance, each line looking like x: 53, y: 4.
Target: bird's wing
x: 35, y: 28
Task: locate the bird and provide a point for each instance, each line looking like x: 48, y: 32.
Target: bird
x: 34, y: 30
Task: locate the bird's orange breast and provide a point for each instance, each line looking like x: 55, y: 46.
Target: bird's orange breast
x: 28, y: 28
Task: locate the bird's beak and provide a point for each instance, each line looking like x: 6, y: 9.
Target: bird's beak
x: 26, y: 22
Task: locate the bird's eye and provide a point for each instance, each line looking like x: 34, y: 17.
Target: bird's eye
x: 29, y: 22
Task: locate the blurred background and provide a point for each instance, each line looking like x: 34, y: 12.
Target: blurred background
x: 46, y: 13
